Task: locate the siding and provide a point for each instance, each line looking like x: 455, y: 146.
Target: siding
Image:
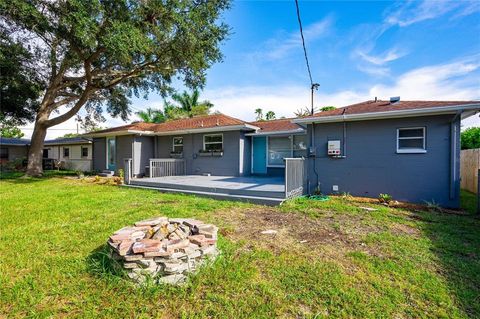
x: 226, y: 165
x: 16, y: 152
x: 123, y: 150
x: 99, y: 154
x: 75, y: 161
x: 372, y: 165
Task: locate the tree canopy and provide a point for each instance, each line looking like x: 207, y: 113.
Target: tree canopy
x: 151, y: 115
x: 96, y: 55
x: 470, y: 138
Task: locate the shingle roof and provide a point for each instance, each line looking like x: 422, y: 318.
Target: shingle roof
x: 385, y: 106
x: 197, y: 122
x: 14, y: 141
x: 276, y: 125
x: 69, y: 140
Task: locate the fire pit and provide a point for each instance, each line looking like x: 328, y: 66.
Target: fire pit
x: 164, y: 249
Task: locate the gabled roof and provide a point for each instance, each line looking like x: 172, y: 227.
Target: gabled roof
x: 277, y: 127
x: 213, y: 122
x: 14, y: 141
x: 68, y: 140
x: 386, y: 109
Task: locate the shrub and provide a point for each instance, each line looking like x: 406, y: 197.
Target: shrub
x: 470, y: 138
x: 385, y: 198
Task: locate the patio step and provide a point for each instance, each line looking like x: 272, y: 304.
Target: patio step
x: 261, y: 200
x: 106, y: 173
x: 213, y: 190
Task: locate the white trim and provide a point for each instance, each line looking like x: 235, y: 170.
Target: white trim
x: 204, y: 143
x: 173, y: 143
x: 411, y: 150
x: 389, y: 114
x: 106, y: 151
x: 299, y: 131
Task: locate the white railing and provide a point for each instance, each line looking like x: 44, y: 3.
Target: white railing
x: 160, y: 167
x: 294, y: 170
x: 127, y: 172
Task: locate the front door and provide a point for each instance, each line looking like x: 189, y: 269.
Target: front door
x: 111, y: 153
x: 259, y: 155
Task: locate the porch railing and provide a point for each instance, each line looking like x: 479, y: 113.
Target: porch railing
x: 127, y: 172
x: 294, y: 170
x: 160, y: 167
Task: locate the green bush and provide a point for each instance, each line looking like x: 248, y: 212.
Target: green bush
x: 470, y: 138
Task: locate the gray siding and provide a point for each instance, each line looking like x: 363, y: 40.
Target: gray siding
x: 227, y: 165
x: 123, y: 150
x: 99, y: 154
x: 142, y: 153
x: 16, y: 152
x: 372, y: 165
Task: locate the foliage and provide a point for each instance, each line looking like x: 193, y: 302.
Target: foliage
x: 385, y: 198
x: 9, y: 128
x: 187, y: 105
x: 356, y: 264
x: 327, y: 108
x: 97, y: 55
x: 270, y: 115
x: 259, y: 114
x: 151, y: 116
x: 470, y: 138
x: 69, y: 135
x: 305, y: 111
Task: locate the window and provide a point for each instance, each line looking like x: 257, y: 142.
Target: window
x: 66, y: 152
x: 279, y: 147
x: 299, y: 146
x: 411, y: 140
x: 213, y: 142
x: 4, y: 153
x: 177, y: 145
x: 45, y: 153
x: 84, y: 151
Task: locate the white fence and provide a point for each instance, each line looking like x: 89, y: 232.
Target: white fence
x: 294, y: 175
x: 469, y: 166
x: 160, y: 167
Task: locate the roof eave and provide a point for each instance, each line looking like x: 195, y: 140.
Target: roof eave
x: 210, y: 129
x: 283, y: 132
x: 389, y: 114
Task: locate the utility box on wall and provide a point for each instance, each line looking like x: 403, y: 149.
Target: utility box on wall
x: 334, y: 148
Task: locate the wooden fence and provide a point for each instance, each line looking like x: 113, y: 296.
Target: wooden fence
x: 469, y: 166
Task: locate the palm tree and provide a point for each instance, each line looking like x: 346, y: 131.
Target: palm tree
x: 270, y: 115
x: 259, y: 113
x: 151, y: 116
x: 190, y: 105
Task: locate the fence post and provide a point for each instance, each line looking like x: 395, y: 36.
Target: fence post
x: 151, y: 169
x: 478, y: 192
x: 127, y: 174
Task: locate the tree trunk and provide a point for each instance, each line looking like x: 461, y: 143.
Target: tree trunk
x: 35, y: 153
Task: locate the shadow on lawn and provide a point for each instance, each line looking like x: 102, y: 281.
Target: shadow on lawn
x: 20, y: 178
x: 100, y: 264
x: 456, y: 243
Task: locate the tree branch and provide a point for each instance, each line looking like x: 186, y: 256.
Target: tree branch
x: 74, y: 110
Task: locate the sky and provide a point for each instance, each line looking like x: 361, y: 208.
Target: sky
x: 358, y: 50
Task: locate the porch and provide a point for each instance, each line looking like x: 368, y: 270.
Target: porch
x: 168, y: 175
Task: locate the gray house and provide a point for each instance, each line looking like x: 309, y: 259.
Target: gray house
x: 408, y: 149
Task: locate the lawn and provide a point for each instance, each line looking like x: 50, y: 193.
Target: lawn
x: 331, y: 258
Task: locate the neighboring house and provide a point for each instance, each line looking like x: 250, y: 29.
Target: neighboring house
x: 12, y: 149
x: 73, y: 153
x: 214, y: 144
x: 408, y: 149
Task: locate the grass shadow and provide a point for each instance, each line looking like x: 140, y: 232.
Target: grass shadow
x: 100, y: 264
x: 19, y: 177
x: 456, y: 242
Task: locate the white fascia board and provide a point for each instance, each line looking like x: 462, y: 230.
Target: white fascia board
x: 119, y: 133
x: 389, y: 114
x: 208, y: 130
x: 286, y: 132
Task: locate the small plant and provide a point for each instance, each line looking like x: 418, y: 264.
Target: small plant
x: 97, y: 178
x: 385, y: 198
x: 433, y: 206
x: 317, y: 191
x: 346, y: 195
x: 121, y: 174
x: 79, y: 174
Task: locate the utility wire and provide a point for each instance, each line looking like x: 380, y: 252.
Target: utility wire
x: 303, y: 43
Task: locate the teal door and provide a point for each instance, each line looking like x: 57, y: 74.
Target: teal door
x: 111, y: 153
x: 259, y: 156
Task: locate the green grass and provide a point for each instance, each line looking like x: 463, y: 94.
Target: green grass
x: 386, y: 263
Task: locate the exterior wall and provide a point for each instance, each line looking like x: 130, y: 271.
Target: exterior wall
x: 16, y: 152
x: 74, y: 161
x: 142, y: 153
x: 227, y: 165
x: 99, y: 154
x: 123, y: 150
x: 372, y: 165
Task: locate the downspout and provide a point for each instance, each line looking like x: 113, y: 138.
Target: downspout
x: 314, y: 154
x: 453, y: 155
x: 344, y: 155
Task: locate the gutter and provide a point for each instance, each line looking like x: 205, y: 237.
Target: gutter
x: 388, y: 114
x: 286, y: 132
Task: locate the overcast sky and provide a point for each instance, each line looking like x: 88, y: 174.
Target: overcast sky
x: 427, y: 50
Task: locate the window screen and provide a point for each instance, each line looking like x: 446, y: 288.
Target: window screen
x: 178, y: 144
x: 213, y: 142
x: 279, y: 148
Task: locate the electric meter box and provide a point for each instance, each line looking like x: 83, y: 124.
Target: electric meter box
x: 334, y: 147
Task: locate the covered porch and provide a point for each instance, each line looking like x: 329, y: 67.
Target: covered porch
x: 168, y: 175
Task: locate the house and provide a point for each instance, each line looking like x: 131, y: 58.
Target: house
x: 74, y: 153
x: 408, y: 149
x: 12, y: 149
x: 71, y: 153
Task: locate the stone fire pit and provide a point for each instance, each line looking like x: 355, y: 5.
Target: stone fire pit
x: 164, y: 249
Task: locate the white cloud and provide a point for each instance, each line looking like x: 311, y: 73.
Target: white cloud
x: 381, y: 59
x: 279, y: 47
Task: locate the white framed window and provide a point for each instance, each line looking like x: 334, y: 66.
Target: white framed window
x: 177, y: 144
x: 278, y: 148
x: 84, y: 151
x: 411, y: 140
x: 213, y: 142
